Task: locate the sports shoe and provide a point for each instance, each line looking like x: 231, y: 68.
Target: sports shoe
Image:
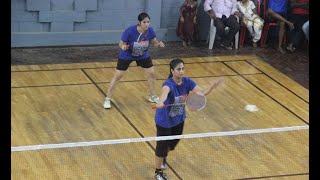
x: 107, y: 103
x: 160, y: 175
x: 154, y: 99
x: 226, y: 47
x: 164, y: 164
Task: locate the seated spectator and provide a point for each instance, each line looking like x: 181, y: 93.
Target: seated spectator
x: 224, y: 13
x: 299, y: 15
x: 250, y: 19
x: 277, y: 11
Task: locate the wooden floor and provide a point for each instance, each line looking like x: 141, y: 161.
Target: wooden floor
x: 62, y: 103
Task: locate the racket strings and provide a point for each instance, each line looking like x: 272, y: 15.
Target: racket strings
x: 196, y: 102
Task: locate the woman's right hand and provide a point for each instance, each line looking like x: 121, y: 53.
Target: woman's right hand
x: 159, y: 105
x: 125, y: 47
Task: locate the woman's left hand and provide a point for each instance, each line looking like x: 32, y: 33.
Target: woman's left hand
x: 160, y: 44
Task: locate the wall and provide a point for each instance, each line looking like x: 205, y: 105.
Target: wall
x: 87, y: 22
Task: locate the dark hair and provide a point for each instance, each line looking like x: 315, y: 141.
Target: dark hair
x: 142, y: 16
x: 173, y: 64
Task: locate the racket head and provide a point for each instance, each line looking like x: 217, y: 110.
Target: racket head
x: 196, y: 102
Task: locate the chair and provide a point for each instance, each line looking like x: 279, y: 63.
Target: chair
x: 213, y: 31
x: 243, y: 29
x: 267, y: 26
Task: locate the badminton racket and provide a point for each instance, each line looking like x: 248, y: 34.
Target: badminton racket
x: 194, y: 102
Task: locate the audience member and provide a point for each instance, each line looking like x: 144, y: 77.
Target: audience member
x: 299, y: 15
x: 187, y: 29
x: 277, y: 11
x: 224, y: 13
x: 251, y: 19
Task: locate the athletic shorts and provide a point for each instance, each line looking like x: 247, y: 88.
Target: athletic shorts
x: 123, y: 65
x: 163, y: 147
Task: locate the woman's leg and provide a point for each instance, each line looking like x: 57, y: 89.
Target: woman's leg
x: 151, y: 79
x: 161, y: 150
x: 176, y: 130
x: 158, y: 162
x: 115, y: 79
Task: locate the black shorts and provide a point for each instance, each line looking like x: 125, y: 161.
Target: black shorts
x: 123, y: 65
x: 163, y: 147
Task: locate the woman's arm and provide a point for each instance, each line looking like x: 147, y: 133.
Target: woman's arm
x: 156, y: 43
x: 124, y: 46
x: 213, y: 85
x: 164, y: 94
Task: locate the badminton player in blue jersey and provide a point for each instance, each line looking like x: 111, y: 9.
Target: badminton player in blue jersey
x: 169, y: 120
x: 134, y: 45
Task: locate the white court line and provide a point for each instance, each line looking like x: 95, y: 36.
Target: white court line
x: 184, y: 136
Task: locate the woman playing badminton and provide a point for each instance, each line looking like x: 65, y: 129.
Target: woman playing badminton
x: 134, y: 46
x: 169, y: 118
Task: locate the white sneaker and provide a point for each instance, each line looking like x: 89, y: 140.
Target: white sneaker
x: 161, y: 176
x: 107, y: 103
x: 154, y: 99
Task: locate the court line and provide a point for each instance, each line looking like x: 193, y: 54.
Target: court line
x: 263, y: 72
x: 275, y: 176
x: 123, y: 81
x: 269, y: 95
x: 113, y: 67
x: 147, y: 139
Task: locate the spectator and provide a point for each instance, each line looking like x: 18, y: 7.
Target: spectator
x: 186, y: 29
x: 277, y: 11
x: 224, y: 13
x: 251, y: 19
x: 299, y: 15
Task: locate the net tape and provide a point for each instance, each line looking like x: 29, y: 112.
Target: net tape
x: 131, y: 140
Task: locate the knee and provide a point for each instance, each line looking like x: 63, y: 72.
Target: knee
x: 161, y: 150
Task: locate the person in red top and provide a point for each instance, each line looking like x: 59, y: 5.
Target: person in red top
x: 299, y: 15
x: 187, y: 25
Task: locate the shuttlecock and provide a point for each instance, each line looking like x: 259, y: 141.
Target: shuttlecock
x: 251, y: 108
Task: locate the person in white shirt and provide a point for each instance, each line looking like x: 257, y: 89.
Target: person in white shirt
x: 224, y: 13
x: 251, y: 20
